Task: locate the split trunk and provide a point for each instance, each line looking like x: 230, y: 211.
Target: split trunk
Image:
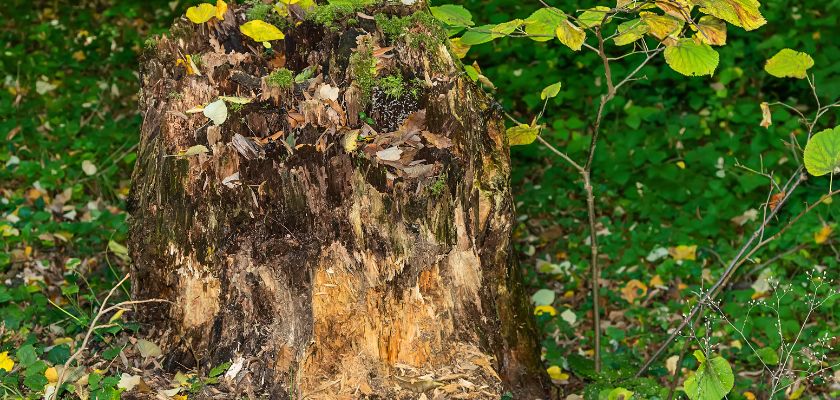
x: 347, y: 234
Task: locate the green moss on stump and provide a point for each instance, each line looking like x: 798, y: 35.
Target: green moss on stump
x: 281, y: 78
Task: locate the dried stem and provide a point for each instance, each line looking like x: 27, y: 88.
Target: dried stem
x: 93, y: 327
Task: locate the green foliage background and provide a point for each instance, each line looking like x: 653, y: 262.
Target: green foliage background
x: 646, y: 200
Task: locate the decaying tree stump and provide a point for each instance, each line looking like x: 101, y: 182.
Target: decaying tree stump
x: 344, y: 236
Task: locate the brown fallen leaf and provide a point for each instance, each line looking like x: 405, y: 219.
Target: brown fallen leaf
x: 766, y: 117
x: 775, y: 199
x: 439, y: 141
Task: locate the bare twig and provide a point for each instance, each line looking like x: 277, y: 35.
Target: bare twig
x: 736, y: 261
x: 93, y: 327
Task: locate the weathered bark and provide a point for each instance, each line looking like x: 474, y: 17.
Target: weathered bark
x: 332, y: 272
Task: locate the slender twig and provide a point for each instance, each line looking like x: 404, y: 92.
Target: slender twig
x: 93, y: 327
x: 727, y: 274
x: 680, y: 360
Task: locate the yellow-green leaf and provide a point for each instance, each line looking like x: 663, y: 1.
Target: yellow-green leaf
x: 691, y: 58
x: 789, y: 63
x: 459, y: 49
x: 683, y: 252
x: 712, y: 381
x: 593, y: 17
x: 506, y: 28
x: 661, y: 26
x: 712, y: 30
x: 261, y: 31
x: 201, y: 13
x: 522, y: 134
x: 676, y: 8
x: 236, y: 100
x: 193, y: 150
x: 630, y: 31
x: 541, y: 26
x: 550, y: 91
x: 743, y: 13
x: 822, y: 153
x: 570, y: 35
x: 620, y: 394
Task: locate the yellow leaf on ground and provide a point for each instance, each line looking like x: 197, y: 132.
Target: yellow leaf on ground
x: 656, y: 281
x: 683, y: 252
x: 51, y: 374
x: 201, y: 13
x: 749, y: 395
x: 62, y: 340
x: 6, y: 363
x: 633, y: 290
x: 117, y: 315
x: 797, y: 393
x: 221, y: 9
x: 261, y: 31
x: 556, y: 373
x: 539, y: 310
x: 822, y: 235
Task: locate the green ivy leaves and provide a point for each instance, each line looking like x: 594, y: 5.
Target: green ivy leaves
x: 822, y: 153
x: 789, y: 63
x: 712, y: 381
x: 691, y: 58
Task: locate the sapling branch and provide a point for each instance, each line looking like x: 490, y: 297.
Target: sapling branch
x: 727, y: 274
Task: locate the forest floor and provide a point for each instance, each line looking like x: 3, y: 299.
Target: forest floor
x: 677, y: 189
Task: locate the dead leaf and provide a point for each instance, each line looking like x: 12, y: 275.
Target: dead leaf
x: 766, y: 117
x: 147, y: 348
x: 439, y: 141
x: 128, y: 381
x: 389, y: 154
x: 822, y: 235
x: 327, y: 92
x: 232, y: 180
x: 683, y: 252
x: 775, y: 199
x: 633, y: 290
x: 656, y: 281
x: 671, y: 364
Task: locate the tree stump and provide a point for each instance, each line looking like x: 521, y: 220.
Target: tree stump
x: 347, y: 233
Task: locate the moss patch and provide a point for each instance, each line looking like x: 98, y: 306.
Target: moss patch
x: 335, y: 11
x: 429, y: 37
x: 363, y: 71
x: 392, y: 85
x: 281, y: 78
x: 265, y: 12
